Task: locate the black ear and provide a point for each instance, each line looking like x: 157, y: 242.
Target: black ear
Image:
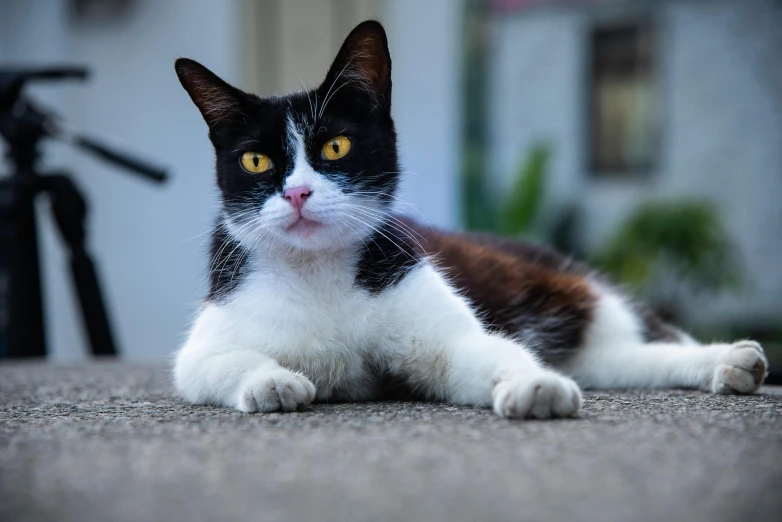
x: 365, y: 61
x: 216, y: 99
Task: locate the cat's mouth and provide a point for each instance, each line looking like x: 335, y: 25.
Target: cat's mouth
x: 304, y: 227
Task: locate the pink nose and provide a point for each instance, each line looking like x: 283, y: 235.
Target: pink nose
x: 296, y: 196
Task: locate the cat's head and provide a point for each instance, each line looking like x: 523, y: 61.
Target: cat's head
x: 311, y: 170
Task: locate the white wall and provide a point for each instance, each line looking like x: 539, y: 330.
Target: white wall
x: 724, y: 138
x: 298, y: 40
x: 148, y: 239
x: 425, y: 42
x: 534, y: 97
x: 721, y: 83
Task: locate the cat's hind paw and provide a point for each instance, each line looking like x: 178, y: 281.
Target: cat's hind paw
x: 268, y: 390
x: 740, y: 369
x: 541, y: 396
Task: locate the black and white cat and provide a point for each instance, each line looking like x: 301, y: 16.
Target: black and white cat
x: 319, y: 292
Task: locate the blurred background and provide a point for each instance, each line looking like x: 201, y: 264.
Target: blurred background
x: 642, y: 136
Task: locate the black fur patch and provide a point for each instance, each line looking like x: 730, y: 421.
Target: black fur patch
x: 226, y: 269
x: 655, y: 330
x: 386, y: 259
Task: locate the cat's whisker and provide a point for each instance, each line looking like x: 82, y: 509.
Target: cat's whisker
x: 386, y: 216
x: 309, y: 100
x: 212, y: 267
x: 379, y: 231
x: 216, y: 225
x: 242, y: 245
x: 326, y: 97
x: 256, y: 237
x: 207, y: 231
x: 225, y: 243
x: 389, y: 220
x: 344, y: 224
x: 393, y: 218
x: 357, y: 232
x: 392, y: 196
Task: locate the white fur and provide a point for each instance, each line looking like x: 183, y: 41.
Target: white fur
x: 298, y: 318
x: 615, y: 356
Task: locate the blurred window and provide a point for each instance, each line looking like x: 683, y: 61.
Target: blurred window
x: 623, y: 102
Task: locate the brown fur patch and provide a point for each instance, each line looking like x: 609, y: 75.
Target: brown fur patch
x: 525, y: 291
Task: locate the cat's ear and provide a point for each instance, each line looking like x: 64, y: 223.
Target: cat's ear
x: 365, y: 61
x: 216, y: 99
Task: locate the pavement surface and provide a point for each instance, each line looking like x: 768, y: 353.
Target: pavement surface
x: 110, y: 441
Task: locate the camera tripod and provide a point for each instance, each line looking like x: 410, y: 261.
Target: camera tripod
x: 23, y: 126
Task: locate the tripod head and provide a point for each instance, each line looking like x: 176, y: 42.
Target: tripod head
x: 12, y: 80
x: 23, y: 125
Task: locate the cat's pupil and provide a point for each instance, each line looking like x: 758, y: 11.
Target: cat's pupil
x: 335, y: 146
x: 256, y: 160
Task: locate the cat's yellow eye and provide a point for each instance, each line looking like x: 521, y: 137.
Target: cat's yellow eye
x: 255, y: 162
x: 336, y: 148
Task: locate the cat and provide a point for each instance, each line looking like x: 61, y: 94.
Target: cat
x: 320, y: 292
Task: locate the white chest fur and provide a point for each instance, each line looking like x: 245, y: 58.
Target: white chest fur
x: 288, y: 335
x: 311, y: 318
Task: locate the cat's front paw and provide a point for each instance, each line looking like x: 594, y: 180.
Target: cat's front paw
x: 740, y: 369
x: 278, y: 389
x: 541, y: 396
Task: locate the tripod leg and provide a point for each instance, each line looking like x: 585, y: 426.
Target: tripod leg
x: 92, y: 306
x: 21, y: 313
x: 69, y: 211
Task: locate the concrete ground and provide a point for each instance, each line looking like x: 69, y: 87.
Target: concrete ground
x: 109, y: 441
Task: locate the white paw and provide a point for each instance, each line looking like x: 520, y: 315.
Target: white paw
x: 277, y: 389
x: 541, y: 396
x: 740, y: 369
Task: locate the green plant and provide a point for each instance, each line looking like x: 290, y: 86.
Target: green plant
x: 516, y: 212
x: 685, y: 238
x: 519, y: 211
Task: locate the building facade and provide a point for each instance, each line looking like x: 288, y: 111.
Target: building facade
x: 697, y: 115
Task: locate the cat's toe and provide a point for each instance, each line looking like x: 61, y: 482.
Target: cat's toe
x: 542, y: 397
x: 741, y: 369
x: 275, y: 390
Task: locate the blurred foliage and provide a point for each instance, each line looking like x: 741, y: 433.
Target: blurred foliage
x: 514, y: 214
x: 519, y: 211
x: 683, y: 239
x: 478, y: 212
